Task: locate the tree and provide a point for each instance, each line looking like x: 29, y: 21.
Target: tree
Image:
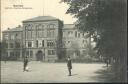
x: 105, y: 21
x: 3, y: 51
x: 74, y: 49
x: 59, y: 42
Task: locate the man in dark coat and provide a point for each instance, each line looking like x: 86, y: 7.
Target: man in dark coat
x: 25, y: 63
x: 69, y: 65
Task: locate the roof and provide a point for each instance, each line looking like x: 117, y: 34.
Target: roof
x: 69, y: 26
x: 14, y: 29
x: 41, y: 18
x: 66, y: 26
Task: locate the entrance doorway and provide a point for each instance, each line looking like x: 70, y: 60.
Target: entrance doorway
x: 39, y: 56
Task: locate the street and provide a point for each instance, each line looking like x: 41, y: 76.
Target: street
x: 12, y: 72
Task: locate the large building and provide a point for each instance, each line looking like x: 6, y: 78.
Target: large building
x: 44, y: 38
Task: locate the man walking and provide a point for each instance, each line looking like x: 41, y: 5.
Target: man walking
x: 69, y: 65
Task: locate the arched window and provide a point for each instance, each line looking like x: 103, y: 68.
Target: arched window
x: 29, y: 27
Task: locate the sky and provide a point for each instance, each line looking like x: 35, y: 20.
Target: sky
x: 11, y: 18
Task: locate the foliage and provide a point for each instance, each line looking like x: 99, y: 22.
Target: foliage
x: 74, y: 48
x: 105, y: 21
x: 3, y: 46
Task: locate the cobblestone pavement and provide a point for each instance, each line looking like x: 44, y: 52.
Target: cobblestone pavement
x: 12, y: 72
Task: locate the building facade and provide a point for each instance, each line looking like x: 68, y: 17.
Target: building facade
x: 12, y: 39
x: 44, y: 38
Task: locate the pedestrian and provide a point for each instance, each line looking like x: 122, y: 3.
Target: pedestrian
x: 108, y: 62
x: 69, y: 65
x: 25, y: 63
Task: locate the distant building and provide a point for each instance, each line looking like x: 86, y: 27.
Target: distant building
x: 44, y: 38
x: 12, y: 38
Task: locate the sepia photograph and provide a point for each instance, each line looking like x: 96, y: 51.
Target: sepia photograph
x: 63, y: 41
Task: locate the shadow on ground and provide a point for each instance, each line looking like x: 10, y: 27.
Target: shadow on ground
x: 105, y: 75
x: 74, y: 74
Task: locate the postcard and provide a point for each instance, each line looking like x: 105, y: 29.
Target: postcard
x: 63, y: 41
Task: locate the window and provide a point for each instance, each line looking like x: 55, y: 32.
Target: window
x: 29, y: 31
x: 50, y: 33
x: 17, y: 44
x: 48, y: 26
x: 11, y: 45
x: 29, y: 35
x: 84, y: 52
x: 11, y: 54
x: 50, y: 43
x: 77, y: 53
x: 85, y: 45
x: 37, y: 43
x: 70, y: 33
x: 51, y: 26
x: 6, y: 36
x: 26, y: 27
x: 78, y: 35
x: 40, y: 27
x: 5, y: 44
x: 39, y: 34
x: 18, y: 36
x: 51, y: 52
x: 83, y: 34
x: 84, y: 41
x: 75, y: 33
x: 31, y: 54
x: 42, y: 43
x: 53, y: 33
x: 27, y: 53
x: 12, y: 37
x: 29, y: 27
x: 64, y: 44
x: 29, y: 44
x: 32, y: 34
x: 40, y: 31
x: 6, y: 54
x: 17, y: 53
